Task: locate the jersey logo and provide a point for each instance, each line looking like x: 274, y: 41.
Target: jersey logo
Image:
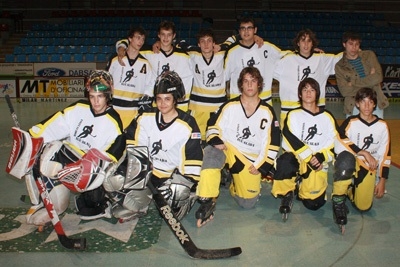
x: 252, y: 62
x: 368, y: 140
x: 87, y: 130
x: 211, y: 76
x: 306, y: 73
x: 312, y: 131
x: 157, y: 146
x: 246, y: 133
x: 165, y: 68
x: 128, y: 75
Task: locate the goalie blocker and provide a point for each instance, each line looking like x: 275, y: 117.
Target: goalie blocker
x: 25, y: 150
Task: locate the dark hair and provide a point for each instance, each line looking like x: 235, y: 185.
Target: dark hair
x: 247, y: 20
x: 313, y: 83
x: 167, y: 25
x: 138, y: 30
x: 366, y: 92
x: 350, y: 35
x: 255, y: 73
x: 302, y: 34
x: 205, y: 32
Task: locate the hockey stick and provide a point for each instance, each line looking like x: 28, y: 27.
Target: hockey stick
x: 70, y: 243
x: 182, y: 235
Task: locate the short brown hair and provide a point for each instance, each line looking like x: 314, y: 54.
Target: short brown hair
x: 255, y: 73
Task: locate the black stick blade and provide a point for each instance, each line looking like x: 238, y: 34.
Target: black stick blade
x: 210, y: 254
x: 72, y: 243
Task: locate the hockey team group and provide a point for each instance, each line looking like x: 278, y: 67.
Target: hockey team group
x: 160, y: 117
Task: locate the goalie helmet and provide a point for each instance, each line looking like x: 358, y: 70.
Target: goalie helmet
x: 169, y: 82
x: 101, y: 81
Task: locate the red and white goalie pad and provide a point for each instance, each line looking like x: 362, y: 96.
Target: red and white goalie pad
x: 25, y: 150
x: 87, y: 173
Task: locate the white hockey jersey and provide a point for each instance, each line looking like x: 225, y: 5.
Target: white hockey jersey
x: 175, y: 145
x: 293, y: 68
x: 177, y: 61
x: 79, y: 126
x: 264, y: 58
x: 208, y: 91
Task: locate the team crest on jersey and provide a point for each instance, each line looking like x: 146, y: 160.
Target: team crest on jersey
x: 368, y: 141
x: 244, y: 134
x: 311, y: 132
x: 129, y: 75
x: 304, y: 73
x: 157, y: 147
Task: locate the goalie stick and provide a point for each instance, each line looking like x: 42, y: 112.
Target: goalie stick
x: 70, y: 243
x: 182, y: 235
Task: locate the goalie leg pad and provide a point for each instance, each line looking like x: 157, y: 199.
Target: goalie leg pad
x: 33, y: 191
x: 48, y: 166
x: 24, y: 152
x: 59, y: 195
x: 137, y: 200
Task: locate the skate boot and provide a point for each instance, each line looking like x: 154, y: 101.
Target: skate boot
x: 206, y: 210
x: 340, y: 211
x: 286, y: 205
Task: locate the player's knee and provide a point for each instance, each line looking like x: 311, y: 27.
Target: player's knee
x: 246, y: 203
x: 344, y: 167
x: 287, y: 166
x: 213, y: 158
x: 314, y: 204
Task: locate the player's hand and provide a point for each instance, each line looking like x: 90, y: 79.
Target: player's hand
x: 220, y: 147
x: 121, y: 53
x: 259, y: 41
x: 380, y: 188
x: 253, y: 170
x: 156, y: 47
x: 318, y: 50
x: 217, y: 48
x: 371, y: 161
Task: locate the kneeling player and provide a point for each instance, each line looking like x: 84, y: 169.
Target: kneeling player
x: 80, y: 142
x: 244, y: 133
x: 362, y: 165
x: 174, y: 143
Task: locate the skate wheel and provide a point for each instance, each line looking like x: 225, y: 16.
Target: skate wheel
x: 40, y: 228
x: 285, y: 217
x: 342, y: 229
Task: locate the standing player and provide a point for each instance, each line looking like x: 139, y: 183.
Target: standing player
x: 174, y: 143
x: 244, y: 133
x: 300, y: 64
x: 308, y: 134
x: 208, y: 91
x: 358, y: 69
x: 133, y: 79
x: 356, y: 168
x: 86, y: 131
x: 246, y: 53
x: 171, y: 58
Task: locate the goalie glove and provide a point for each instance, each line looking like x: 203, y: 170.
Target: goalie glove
x: 87, y: 173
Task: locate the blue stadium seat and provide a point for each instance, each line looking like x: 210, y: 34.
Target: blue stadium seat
x: 89, y: 57
x: 101, y: 57
x: 32, y: 58
x: 43, y: 58
x: 66, y: 57
x: 9, y: 58
x: 55, y: 58
x: 19, y: 50
x: 21, y: 58
x: 78, y: 57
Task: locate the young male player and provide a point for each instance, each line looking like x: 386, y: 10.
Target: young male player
x: 174, y: 144
x: 133, y: 79
x: 366, y: 153
x: 83, y: 137
x: 244, y: 133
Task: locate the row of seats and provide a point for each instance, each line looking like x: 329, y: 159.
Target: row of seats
x: 79, y: 57
x: 52, y: 49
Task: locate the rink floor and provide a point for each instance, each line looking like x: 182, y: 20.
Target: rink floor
x: 308, y: 238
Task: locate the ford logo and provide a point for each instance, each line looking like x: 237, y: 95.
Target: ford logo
x: 51, y: 72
